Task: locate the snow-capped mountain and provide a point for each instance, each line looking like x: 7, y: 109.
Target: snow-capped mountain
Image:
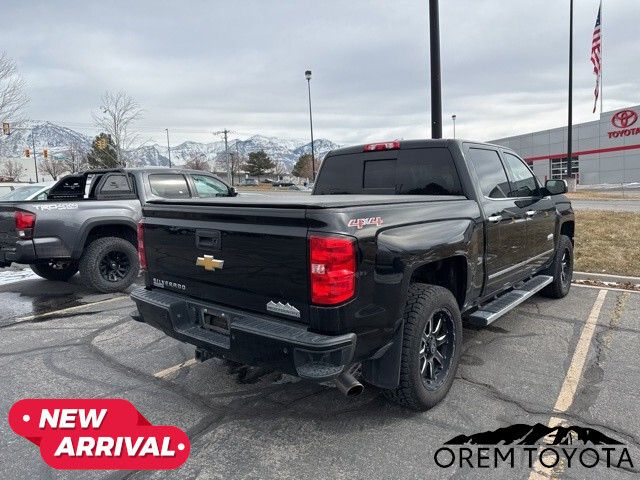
x: 46, y: 135
x: 58, y: 140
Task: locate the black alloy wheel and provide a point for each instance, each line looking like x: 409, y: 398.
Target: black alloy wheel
x: 114, y: 266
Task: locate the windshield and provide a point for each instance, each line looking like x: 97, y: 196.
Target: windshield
x: 23, y: 193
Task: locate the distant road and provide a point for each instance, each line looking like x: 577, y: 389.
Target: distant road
x: 608, y: 205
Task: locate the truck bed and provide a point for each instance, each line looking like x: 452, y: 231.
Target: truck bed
x: 309, y: 201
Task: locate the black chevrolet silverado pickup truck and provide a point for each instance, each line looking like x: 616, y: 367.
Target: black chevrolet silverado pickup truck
x: 372, y: 274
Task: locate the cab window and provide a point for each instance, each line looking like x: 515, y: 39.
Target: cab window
x: 523, y: 182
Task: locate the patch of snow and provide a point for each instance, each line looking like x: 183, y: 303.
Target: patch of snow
x: 12, y: 276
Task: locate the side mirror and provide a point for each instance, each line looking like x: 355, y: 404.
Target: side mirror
x: 233, y: 192
x: 556, y: 187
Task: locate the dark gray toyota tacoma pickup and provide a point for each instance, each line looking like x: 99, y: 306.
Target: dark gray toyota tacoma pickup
x: 370, y: 275
x: 89, y: 222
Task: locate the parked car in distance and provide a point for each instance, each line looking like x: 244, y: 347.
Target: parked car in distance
x: 299, y: 188
x: 374, y: 271
x: 282, y: 183
x: 7, y: 187
x: 32, y: 191
x: 89, y: 222
x: 250, y: 182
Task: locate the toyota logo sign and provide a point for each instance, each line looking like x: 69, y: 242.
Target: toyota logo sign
x: 624, y: 118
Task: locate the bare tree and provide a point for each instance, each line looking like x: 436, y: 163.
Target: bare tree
x: 279, y: 169
x: 118, y: 112
x: 53, y: 167
x: 12, y: 169
x: 233, y: 162
x: 12, y: 96
x: 75, y: 157
x: 197, y: 161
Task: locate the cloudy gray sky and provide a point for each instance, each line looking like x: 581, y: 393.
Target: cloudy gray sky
x: 199, y: 66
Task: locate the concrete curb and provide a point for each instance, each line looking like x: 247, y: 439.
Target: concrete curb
x: 603, y: 277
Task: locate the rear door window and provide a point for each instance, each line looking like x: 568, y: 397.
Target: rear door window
x: 491, y: 173
x: 169, y: 185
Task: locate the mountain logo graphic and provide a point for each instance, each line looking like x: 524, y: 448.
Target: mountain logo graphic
x: 538, y: 434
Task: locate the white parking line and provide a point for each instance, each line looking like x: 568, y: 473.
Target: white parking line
x: 168, y: 371
x: 66, y: 310
x: 572, y: 378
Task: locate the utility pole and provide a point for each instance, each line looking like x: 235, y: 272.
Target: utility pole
x: 226, y: 132
x: 307, y: 75
x: 168, y: 147
x: 436, y: 88
x: 570, y: 119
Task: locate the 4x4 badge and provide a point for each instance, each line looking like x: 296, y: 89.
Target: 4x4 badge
x: 283, y: 309
x: 209, y: 263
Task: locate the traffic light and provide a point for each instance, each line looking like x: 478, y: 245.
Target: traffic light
x: 101, y: 143
x: 27, y: 152
x: 45, y: 153
x: 5, y: 128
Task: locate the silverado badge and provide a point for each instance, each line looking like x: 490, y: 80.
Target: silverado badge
x: 209, y: 263
x: 283, y: 309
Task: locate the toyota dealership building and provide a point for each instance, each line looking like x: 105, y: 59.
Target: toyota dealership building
x: 604, y: 151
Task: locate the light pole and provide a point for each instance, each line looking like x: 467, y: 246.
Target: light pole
x: 307, y: 75
x: 453, y: 117
x: 168, y: 147
x: 436, y: 89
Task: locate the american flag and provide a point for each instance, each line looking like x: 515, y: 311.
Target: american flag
x: 596, y: 55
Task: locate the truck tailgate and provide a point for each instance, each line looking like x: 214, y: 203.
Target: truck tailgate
x: 8, y: 234
x: 234, y: 256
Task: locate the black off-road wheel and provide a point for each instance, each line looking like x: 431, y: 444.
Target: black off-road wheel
x: 432, y: 343
x: 561, y: 270
x: 56, y: 270
x: 109, y: 264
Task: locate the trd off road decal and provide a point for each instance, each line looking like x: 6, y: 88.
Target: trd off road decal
x: 534, y: 446
x: 360, y: 223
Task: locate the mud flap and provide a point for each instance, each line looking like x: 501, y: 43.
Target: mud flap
x: 384, y: 370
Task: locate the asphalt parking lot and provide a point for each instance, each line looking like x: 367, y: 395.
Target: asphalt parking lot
x: 250, y: 423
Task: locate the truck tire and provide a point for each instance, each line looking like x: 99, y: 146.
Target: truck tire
x: 431, y: 347
x: 55, y: 270
x: 109, y: 264
x: 561, y: 269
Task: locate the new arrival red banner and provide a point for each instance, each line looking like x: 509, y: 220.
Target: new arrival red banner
x: 97, y: 434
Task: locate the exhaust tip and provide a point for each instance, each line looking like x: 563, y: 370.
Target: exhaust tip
x: 348, y: 385
x: 355, y: 390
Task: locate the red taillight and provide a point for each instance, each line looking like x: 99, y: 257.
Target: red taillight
x: 376, y: 147
x: 25, y: 222
x: 332, y: 269
x: 142, y: 255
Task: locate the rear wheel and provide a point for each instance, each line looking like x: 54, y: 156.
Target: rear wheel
x: 56, y: 270
x: 561, y: 270
x: 431, y: 347
x: 109, y: 264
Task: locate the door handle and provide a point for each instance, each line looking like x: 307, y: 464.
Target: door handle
x: 531, y: 213
x: 495, y: 218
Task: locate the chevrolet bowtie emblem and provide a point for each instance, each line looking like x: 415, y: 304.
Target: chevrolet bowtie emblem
x: 209, y: 263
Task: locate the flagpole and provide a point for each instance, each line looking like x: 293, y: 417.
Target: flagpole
x: 570, y: 109
x: 601, y: 61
